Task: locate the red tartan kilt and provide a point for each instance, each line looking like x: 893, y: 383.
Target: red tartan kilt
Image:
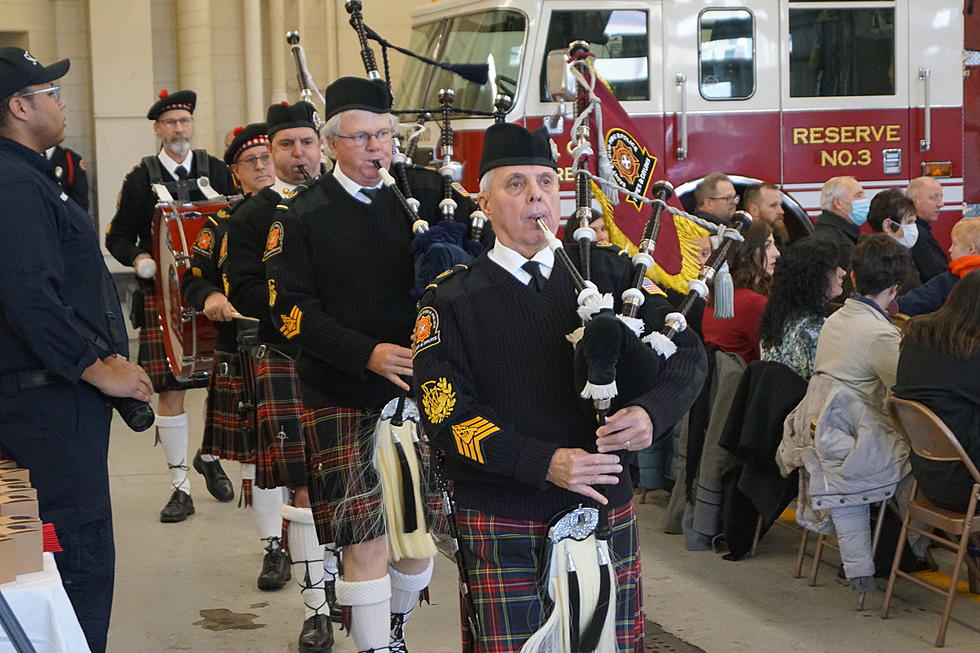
x: 280, y: 455
x: 152, y: 355
x: 225, y: 433
x: 504, y: 563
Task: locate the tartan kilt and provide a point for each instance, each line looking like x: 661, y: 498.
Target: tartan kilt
x: 226, y: 433
x: 152, y: 355
x: 280, y: 452
x: 505, y: 563
x: 345, y: 490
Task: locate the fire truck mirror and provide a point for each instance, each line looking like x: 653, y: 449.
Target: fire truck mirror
x: 561, y: 84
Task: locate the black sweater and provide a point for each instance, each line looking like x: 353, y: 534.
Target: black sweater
x: 341, y: 272
x: 248, y: 231
x: 128, y: 235
x: 927, y: 254
x: 951, y: 389
x: 494, y: 381
x: 206, y: 276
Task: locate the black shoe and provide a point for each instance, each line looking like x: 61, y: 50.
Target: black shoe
x: 219, y: 485
x: 317, y: 635
x: 396, y: 642
x: 178, y: 508
x: 275, y: 567
x: 336, y: 612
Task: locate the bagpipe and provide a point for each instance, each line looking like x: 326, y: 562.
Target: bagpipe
x: 615, y: 362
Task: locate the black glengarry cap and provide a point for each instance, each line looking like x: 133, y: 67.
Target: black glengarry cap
x: 510, y: 144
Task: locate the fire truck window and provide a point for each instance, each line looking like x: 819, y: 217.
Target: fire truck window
x: 494, y: 37
x: 835, y: 52
x: 618, y: 38
x: 726, y: 54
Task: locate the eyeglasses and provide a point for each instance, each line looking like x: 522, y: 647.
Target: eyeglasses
x: 360, y: 139
x: 55, y: 92
x: 727, y: 198
x: 172, y: 122
x: 253, y: 161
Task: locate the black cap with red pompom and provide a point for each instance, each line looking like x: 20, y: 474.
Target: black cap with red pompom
x: 185, y: 100
x: 246, y: 137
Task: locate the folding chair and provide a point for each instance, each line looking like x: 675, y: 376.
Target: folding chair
x: 931, y: 439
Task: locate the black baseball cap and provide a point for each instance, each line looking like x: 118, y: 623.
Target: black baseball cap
x: 19, y: 68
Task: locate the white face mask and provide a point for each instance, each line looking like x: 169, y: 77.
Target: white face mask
x: 910, y: 234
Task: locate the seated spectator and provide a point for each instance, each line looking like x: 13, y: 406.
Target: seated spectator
x: 844, y: 208
x: 965, y: 255
x: 751, y: 263
x: 939, y: 367
x: 598, y: 223
x: 716, y: 198
x: 764, y: 202
x: 894, y: 214
x: 806, y: 279
x: 927, y: 195
x: 841, y: 434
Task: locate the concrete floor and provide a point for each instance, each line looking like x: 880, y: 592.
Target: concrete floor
x: 191, y: 586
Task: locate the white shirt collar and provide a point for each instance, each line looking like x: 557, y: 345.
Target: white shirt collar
x: 512, y: 261
x: 171, y: 165
x: 49, y: 152
x: 282, y: 187
x: 352, y: 187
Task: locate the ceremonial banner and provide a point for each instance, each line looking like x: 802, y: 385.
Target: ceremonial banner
x: 634, y: 167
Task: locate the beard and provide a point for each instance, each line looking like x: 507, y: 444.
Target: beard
x: 779, y: 228
x: 180, y: 146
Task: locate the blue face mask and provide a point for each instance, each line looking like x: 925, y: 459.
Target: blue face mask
x: 859, y: 211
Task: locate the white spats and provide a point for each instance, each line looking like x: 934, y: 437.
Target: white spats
x: 307, y: 555
x: 266, y: 511
x: 370, y: 611
x: 172, y: 434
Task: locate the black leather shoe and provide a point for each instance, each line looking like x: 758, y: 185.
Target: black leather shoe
x: 219, y: 485
x: 275, y: 567
x: 396, y: 643
x: 178, y: 508
x: 317, y: 635
x: 336, y: 612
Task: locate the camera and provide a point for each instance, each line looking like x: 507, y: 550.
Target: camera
x: 137, y: 414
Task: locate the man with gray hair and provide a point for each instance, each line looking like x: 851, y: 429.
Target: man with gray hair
x: 340, y: 272
x: 844, y: 210
x: 929, y: 257
x: 716, y: 198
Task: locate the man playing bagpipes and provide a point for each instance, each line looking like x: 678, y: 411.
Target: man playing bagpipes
x: 495, y: 378
x: 340, y: 273
x: 295, y: 148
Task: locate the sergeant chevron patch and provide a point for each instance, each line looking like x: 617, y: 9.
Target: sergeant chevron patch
x: 291, y: 323
x: 470, y: 435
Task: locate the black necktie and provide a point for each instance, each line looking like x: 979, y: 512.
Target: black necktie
x: 537, y: 279
x: 371, y: 193
x: 181, y: 172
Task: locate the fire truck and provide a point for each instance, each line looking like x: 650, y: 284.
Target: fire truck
x: 791, y: 92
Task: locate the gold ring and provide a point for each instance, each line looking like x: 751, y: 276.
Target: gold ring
x: 627, y: 445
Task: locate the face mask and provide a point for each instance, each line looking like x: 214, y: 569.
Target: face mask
x: 910, y: 234
x: 859, y: 211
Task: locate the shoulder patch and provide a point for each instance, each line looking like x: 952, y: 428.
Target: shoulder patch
x: 469, y: 437
x: 273, y: 242
x: 438, y: 400
x: 223, y: 213
x: 223, y: 250
x: 426, y: 332
x: 291, y: 323
x: 204, y: 244
x: 651, y: 288
x: 458, y: 187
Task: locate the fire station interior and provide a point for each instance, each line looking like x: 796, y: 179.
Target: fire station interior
x: 734, y: 86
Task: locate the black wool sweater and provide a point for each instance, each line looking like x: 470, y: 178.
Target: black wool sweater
x: 495, y: 385
x: 341, y: 278
x: 206, y: 277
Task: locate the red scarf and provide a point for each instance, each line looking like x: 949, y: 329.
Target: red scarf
x: 964, y: 265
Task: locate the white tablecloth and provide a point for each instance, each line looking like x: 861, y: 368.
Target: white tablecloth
x: 44, y: 611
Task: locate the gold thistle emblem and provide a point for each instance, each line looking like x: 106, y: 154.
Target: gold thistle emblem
x: 438, y: 400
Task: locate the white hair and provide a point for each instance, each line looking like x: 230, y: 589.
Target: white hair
x: 486, y: 181
x: 832, y: 190
x: 331, y: 128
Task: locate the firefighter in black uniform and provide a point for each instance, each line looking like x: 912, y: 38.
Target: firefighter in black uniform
x: 63, y: 346
x: 183, y: 174
x: 72, y: 173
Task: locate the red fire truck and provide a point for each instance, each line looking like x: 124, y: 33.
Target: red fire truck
x: 793, y: 92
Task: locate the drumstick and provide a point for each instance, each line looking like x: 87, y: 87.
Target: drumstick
x: 239, y: 316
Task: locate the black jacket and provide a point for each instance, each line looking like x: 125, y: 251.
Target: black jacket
x: 927, y: 254
x: 840, y: 232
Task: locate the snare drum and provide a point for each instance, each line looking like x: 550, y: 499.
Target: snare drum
x: 188, y: 336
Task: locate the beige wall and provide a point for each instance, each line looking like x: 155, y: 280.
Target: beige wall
x: 134, y: 48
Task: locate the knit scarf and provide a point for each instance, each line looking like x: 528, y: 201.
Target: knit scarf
x: 964, y: 265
